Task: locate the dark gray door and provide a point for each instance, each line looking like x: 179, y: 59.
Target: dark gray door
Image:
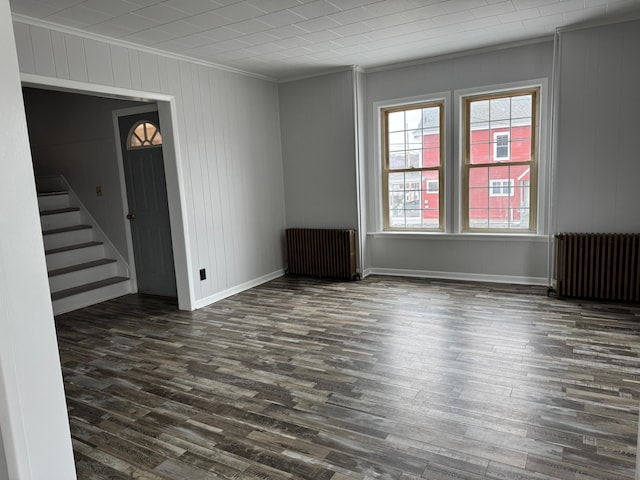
x: 148, y: 209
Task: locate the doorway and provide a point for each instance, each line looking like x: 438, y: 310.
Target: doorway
x: 148, y: 215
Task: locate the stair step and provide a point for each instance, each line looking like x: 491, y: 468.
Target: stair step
x: 48, y: 194
x: 51, y: 201
x: 59, y: 210
x: 65, y: 229
x: 68, y: 248
x: 87, y: 287
x: 81, y: 266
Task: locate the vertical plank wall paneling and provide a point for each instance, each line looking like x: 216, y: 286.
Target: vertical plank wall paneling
x: 598, y: 125
x: 76, y: 58
x: 99, y: 68
x: 120, y: 66
x: 43, y: 52
x: 229, y: 149
x: 60, y: 55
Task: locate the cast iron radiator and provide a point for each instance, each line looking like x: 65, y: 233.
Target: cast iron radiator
x: 324, y: 253
x: 603, y: 266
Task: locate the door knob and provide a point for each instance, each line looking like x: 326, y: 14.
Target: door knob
x: 131, y: 216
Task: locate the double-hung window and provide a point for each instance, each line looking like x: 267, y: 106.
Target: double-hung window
x: 500, y: 161
x: 413, y: 167
x: 492, y: 181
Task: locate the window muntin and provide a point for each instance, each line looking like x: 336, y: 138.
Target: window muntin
x: 500, y: 162
x: 144, y: 134
x: 413, y: 167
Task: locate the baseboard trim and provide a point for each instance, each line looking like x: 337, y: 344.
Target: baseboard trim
x: 465, y: 276
x: 216, y: 297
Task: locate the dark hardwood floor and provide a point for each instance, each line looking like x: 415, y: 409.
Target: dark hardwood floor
x: 385, y: 378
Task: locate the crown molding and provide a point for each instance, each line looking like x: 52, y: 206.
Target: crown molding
x: 142, y: 48
x: 628, y: 17
x: 454, y: 55
x: 345, y: 68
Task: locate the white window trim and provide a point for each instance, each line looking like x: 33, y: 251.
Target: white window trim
x: 495, y: 146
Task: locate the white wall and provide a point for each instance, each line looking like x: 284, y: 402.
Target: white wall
x: 228, y: 141
x: 33, y: 416
x: 598, y: 165
x: 318, y: 150
x: 72, y: 135
x: 4, y: 469
x: 480, y: 257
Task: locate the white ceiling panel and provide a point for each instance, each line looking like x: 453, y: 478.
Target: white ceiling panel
x: 291, y: 38
x: 162, y: 13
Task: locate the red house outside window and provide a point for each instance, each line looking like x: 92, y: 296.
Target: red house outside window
x: 413, y: 167
x: 500, y: 164
x: 499, y: 167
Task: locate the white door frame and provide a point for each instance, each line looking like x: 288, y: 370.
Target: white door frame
x: 167, y: 112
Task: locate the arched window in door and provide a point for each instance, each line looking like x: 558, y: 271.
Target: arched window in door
x: 144, y: 134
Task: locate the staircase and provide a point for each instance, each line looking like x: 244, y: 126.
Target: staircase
x: 83, y: 267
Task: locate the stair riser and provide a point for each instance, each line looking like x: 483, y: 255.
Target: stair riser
x: 81, y: 277
x: 74, y: 257
x: 52, y: 202
x: 60, y: 220
x: 65, y: 239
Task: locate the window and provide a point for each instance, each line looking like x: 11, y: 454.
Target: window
x: 501, y: 188
x: 144, y: 134
x: 500, y: 161
x: 501, y: 146
x: 413, y: 167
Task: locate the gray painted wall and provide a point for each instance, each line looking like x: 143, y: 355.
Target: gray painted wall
x: 319, y: 141
x: 318, y: 151
x: 72, y: 135
x: 481, y: 257
x: 598, y: 165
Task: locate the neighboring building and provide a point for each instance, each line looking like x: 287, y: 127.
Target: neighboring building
x: 497, y: 195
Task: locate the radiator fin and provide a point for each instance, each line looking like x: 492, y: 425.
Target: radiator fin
x: 602, y: 266
x: 323, y: 253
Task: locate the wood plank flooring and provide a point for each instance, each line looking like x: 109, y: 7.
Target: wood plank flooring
x: 385, y: 378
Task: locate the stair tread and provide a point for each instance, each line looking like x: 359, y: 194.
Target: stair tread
x: 48, y: 194
x: 68, y: 248
x: 87, y: 287
x: 59, y: 210
x: 80, y: 266
x: 65, y: 229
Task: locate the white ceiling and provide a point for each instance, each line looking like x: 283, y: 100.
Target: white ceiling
x: 285, y: 39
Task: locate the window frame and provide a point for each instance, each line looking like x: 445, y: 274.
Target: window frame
x: 386, y: 170
x: 533, y: 163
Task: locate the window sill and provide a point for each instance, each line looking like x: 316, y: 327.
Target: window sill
x: 491, y: 237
